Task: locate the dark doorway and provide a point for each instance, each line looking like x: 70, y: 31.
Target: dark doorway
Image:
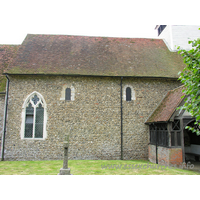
x: 191, y: 143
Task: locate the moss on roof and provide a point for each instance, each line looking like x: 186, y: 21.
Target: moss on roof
x: 81, y: 55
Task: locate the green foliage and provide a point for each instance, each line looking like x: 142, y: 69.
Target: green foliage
x: 190, y: 77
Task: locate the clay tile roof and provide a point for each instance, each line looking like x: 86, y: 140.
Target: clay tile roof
x: 7, y: 53
x: 82, y: 55
x: 167, y: 106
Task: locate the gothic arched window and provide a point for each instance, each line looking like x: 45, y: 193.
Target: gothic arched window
x: 34, y: 117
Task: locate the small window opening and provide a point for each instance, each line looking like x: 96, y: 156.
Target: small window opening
x: 128, y: 94
x: 68, y: 94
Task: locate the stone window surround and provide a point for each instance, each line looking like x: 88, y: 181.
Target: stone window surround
x: 133, y: 97
x: 24, y: 116
x: 63, y: 92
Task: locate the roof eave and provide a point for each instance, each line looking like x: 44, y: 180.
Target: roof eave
x: 156, y: 122
x: 92, y: 75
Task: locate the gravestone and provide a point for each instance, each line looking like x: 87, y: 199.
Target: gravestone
x: 65, y: 170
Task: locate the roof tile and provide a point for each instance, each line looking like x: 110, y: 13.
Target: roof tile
x: 7, y: 53
x: 168, y: 106
x: 82, y: 55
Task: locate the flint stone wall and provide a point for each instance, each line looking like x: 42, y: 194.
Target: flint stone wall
x: 93, y: 118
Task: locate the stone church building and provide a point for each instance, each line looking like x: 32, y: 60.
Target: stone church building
x: 102, y: 91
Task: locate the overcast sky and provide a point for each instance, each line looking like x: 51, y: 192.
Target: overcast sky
x: 107, y: 18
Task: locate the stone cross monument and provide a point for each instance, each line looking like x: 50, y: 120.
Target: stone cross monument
x: 65, y: 170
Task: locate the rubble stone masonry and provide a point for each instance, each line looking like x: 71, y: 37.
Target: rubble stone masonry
x: 92, y: 118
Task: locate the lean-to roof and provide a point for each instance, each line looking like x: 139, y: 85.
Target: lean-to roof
x: 167, y: 106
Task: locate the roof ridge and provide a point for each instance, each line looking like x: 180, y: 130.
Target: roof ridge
x: 92, y: 36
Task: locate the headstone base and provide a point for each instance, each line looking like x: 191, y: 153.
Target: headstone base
x: 64, y: 171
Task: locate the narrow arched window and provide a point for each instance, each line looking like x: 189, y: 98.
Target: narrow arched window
x: 128, y: 94
x: 68, y: 94
x: 35, y: 117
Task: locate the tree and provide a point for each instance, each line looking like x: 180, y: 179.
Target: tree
x: 190, y: 77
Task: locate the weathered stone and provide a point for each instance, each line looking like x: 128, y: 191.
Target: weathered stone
x: 65, y: 170
x: 93, y: 118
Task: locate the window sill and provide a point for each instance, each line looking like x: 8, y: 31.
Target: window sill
x: 63, y: 99
x: 33, y: 138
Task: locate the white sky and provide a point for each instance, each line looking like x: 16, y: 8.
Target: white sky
x: 109, y: 18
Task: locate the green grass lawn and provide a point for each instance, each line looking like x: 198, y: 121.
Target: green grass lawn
x: 90, y: 167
